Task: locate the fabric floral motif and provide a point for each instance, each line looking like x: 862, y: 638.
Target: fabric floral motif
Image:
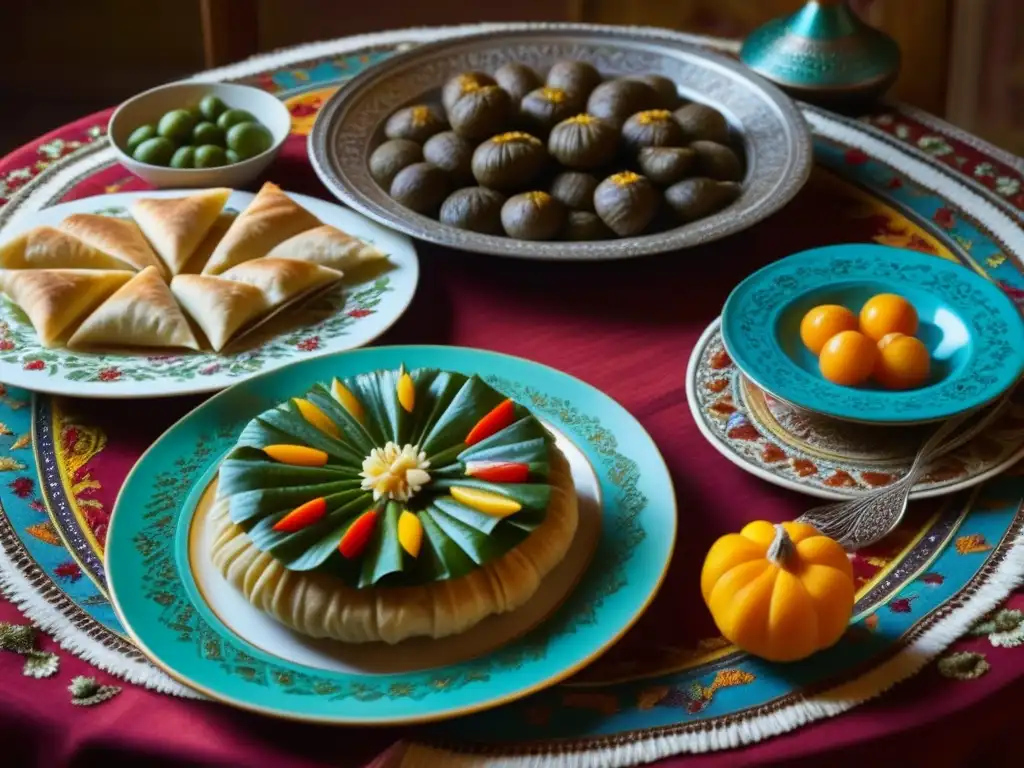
x: 22, y: 639
x: 41, y: 664
x: 1004, y: 628
x: 1006, y: 186
x: 934, y: 145
x: 87, y: 691
x: 18, y: 638
x: 47, y: 153
x: 984, y: 170
x: 963, y: 665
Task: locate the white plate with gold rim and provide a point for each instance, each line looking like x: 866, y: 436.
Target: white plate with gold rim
x: 352, y: 315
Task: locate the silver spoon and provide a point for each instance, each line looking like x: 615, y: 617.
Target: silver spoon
x: 869, y: 518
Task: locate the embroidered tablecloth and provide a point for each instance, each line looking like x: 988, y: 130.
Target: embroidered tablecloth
x: 628, y: 329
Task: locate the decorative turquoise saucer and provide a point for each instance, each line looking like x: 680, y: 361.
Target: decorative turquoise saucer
x: 192, y: 624
x: 973, y: 331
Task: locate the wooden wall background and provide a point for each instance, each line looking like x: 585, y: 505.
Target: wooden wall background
x: 63, y: 59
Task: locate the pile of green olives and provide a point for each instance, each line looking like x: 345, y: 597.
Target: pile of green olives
x: 207, y: 136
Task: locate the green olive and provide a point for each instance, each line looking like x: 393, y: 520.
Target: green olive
x: 210, y: 156
x: 207, y: 133
x: 177, y: 125
x: 155, y: 151
x: 249, y: 139
x: 212, y: 107
x: 139, y: 135
x: 185, y: 157
x: 233, y: 116
x: 233, y: 157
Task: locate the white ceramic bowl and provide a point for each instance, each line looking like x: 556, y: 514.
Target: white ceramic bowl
x: 150, y: 105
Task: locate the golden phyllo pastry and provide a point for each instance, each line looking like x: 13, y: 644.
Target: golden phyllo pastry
x: 219, y: 307
x: 201, y: 255
x: 271, y: 218
x: 282, y: 280
x: 141, y: 313
x: 175, y: 226
x: 49, y: 248
x: 56, y: 299
x: 121, y: 238
x: 329, y: 247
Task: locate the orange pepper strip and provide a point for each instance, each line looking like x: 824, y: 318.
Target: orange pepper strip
x: 501, y: 416
x: 358, y: 535
x: 302, y: 516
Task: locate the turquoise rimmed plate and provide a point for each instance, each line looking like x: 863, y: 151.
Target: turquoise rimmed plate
x: 973, y: 331
x: 196, y: 628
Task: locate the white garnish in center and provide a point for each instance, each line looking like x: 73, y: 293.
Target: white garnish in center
x: 395, y: 473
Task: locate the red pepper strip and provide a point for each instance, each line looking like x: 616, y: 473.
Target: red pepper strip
x: 500, y: 417
x: 498, y: 472
x: 302, y: 516
x: 358, y: 535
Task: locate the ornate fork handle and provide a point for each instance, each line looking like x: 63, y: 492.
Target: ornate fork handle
x: 866, y: 519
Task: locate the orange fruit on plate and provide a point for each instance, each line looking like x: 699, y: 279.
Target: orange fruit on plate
x: 823, y: 322
x: 848, y: 358
x: 887, y: 313
x: 903, y: 362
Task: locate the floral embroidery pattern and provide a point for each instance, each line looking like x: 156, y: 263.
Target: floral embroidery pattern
x: 88, y: 692
x: 963, y: 665
x: 22, y: 639
x: 1004, y: 628
x: 47, y: 153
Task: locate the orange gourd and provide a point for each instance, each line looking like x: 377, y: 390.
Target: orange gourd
x: 778, y: 591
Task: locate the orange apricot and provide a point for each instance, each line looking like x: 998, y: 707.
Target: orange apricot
x: 903, y: 362
x: 887, y: 313
x: 823, y: 322
x: 848, y: 358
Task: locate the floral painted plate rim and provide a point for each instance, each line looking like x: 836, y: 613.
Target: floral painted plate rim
x: 358, y: 313
x: 149, y: 592
x: 716, y: 441
x: 753, y: 308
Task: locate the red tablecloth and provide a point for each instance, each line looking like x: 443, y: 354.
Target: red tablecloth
x: 626, y: 328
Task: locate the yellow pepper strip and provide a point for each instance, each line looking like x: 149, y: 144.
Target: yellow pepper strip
x: 485, y: 501
x: 406, y: 392
x: 347, y: 401
x: 316, y: 417
x: 410, y: 533
x: 296, y: 455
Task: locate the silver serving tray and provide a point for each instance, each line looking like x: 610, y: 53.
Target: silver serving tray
x: 776, y: 140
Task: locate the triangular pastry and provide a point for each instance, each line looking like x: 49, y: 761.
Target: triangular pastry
x: 56, y: 299
x: 121, y: 238
x: 220, y: 307
x: 271, y: 218
x: 329, y: 247
x: 141, y: 313
x: 198, y: 259
x: 175, y: 226
x: 281, y: 280
x: 49, y: 248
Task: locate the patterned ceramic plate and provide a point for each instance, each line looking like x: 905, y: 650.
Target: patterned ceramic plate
x: 356, y: 313
x: 188, y: 621
x: 835, y: 459
x: 775, y: 137
x: 973, y: 331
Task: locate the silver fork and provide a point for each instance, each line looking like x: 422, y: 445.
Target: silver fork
x: 871, y: 517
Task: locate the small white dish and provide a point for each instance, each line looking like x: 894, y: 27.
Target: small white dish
x: 149, y: 106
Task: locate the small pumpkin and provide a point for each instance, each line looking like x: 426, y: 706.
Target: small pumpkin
x: 779, y: 591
